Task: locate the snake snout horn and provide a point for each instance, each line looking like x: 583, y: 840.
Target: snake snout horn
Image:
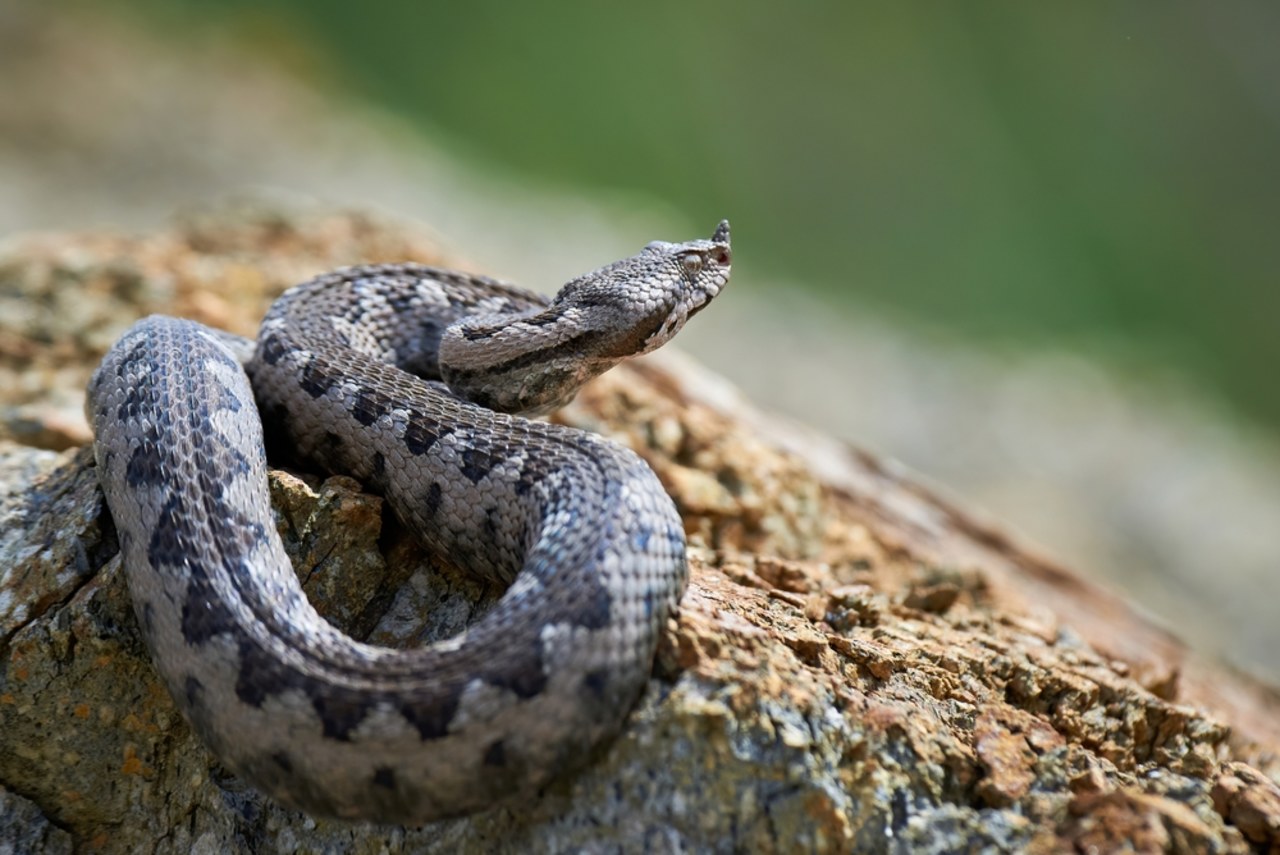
x: 722, y: 232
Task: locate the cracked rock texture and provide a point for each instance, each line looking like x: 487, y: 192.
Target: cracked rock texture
x: 858, y: 665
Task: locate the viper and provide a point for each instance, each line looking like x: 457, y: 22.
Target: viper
x: 416, y: 381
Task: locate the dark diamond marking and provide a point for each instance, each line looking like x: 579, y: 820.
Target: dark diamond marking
x: 260, y: 676
x: 274, y: 415
x: 496, y: 755
x: 171, y: 541
x: 146, y: 465
x: 431, y: 501
x: 525, y: 678
x: 368, y: 407
x: 491, y: 527
x: 385, y: 777
x: 420, y: 355
x: 476, y: 464
x: 282, y: 760
x: 419, y: 437
x: 401, y: 300
x: 650, y: 603
x: 594, y: 605
x: 271, y: 350
x: 640, y: 540
x: 596, y: 682
x: 203, y: 615
x: 340, y: 714
x: 331, y: 445
x: 314, y: 381
x: 193, y: 691
x: 431, y: 720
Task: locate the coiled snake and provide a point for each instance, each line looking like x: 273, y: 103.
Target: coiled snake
x: 403, y: 376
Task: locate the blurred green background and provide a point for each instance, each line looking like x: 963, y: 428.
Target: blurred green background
x: 1100, y: 174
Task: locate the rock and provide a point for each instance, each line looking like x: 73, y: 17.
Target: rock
x: 1251, y: 802
x: 23, y: 828
x: 858, y: 664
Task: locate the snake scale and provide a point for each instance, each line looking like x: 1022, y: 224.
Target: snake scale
x: 409, y: 378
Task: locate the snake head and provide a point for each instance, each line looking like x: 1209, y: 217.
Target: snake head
x: 704, y: 268
x: 536, y: 362
x: 639, y: 303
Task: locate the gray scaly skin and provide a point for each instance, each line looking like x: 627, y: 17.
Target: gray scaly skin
x: 580, y: 527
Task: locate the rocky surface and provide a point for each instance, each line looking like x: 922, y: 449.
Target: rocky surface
x: 858, y: 664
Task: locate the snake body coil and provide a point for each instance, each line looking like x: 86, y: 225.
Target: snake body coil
x: 351, y: 370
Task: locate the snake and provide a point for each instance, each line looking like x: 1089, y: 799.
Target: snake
x: 425, y: 384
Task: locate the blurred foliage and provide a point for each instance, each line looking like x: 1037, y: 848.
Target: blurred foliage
x: 1097, y: 174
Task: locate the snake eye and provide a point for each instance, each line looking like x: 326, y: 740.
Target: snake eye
x: 692, y: 262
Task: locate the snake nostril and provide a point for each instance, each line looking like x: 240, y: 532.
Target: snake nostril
x: 721, y: 257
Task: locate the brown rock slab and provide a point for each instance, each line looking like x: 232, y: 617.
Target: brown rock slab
x: 1251, y: 802
x: 859, y: 664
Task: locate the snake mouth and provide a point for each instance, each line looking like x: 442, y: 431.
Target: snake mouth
x: 705, y: 293
x: 718, y: 260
